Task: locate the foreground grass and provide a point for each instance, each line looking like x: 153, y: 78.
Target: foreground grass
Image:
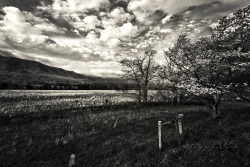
x: 126, y: 137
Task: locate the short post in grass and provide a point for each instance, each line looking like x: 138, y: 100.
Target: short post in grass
x: 106, y: 103
x: 159, y: 134
x: 72, y: 160
x: 179, y: 118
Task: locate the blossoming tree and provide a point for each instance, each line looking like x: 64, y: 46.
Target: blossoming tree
x: 213, y: 66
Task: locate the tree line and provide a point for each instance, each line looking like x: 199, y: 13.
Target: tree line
x: 69, y: 86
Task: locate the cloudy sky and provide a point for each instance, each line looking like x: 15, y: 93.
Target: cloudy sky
x: 90, y: 36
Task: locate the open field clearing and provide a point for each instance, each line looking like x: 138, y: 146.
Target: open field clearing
x: 125, y: 137
x: 15, y: 102
x: 19, y: 101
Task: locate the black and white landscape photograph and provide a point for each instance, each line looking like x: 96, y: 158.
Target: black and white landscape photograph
x: 124, y: 83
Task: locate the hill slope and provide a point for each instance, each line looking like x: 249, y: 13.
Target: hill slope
x: 19, y: 71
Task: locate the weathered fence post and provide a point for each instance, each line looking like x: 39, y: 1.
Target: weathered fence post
x: 180, y: 116
x: 106, y: 103
x: 72, y: 160
x: 159, y: 134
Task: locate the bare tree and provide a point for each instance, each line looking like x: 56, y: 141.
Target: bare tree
x: 141, y: 71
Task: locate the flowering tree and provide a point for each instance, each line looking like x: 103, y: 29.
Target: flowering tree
x: 233, y: 32
x: 232, y: 35
x: 211, y: 66
x: 203, y: 70
x: 141, y: 71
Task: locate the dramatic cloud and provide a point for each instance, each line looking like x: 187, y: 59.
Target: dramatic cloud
x: 174, y: 6
x: 86, y: 24
x: 16, y: 22
x: 116, y: 17
x: 89, y: 37
x: 167, y: 18
x: 125, y: 31
x: 73, y: 6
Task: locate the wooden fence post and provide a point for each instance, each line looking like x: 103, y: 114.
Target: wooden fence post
x: 72, y: 160
x: 159, y: 134
x: 180, y: 116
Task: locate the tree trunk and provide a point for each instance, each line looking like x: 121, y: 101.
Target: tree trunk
x: 139, y: 97
x: 145, y: 96
x: 213, y: 103
x: 145, y: 92
x: 215, y: 108
x: 176, y: 97
x: 215, y: 111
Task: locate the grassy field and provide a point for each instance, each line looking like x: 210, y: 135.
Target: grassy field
x: 125, y: 137
x: 20, y: 101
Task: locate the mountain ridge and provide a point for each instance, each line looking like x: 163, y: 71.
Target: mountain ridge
x: 21, y: 71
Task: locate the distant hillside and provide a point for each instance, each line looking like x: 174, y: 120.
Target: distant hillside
x: 19, y: 71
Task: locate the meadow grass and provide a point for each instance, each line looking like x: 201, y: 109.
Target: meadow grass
x: 126, y: 137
